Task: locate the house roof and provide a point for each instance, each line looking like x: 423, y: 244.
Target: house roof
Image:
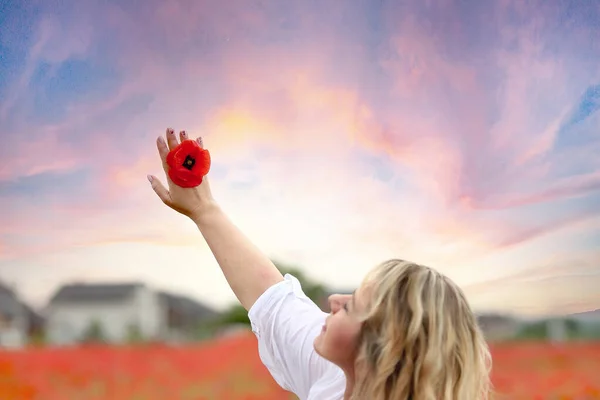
x: 6, y: 290
x: 33, y: 316
x: 81, y: 292
x: 189, y: 307
x: 493, y: 319
x: 586, y: 316
x: 9, y: 303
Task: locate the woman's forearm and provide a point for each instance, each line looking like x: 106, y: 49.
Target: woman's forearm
x: 248, y: 271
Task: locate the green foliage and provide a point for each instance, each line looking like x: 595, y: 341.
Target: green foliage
x: 592, y: 332
x: 205, y: 331
x: 94, y: 332
x: 533, y: 331
x: 37, y: 339
x: 134, y: 334
x: 589, y: 331
x: 314, y: 290
x: 237, y: 315
x: 573, y: 330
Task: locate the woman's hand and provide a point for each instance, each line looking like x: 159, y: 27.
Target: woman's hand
x: 188, y: 201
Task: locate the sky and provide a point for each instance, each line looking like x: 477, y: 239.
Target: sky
x: 463, y: 135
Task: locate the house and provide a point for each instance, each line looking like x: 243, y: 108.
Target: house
x: 184, y: 317
x: 119, y: 313
x: 561, y: 327
x: 588, y: 323
x: 35, y: 322
x: 13, y: 319
x: 112, y: 312
x: 498, y: 327
x: 587, y: 318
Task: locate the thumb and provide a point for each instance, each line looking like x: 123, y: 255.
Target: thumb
x: 159, y: 189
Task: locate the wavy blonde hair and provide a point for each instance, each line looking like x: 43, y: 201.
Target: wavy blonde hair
x: 420, y: 339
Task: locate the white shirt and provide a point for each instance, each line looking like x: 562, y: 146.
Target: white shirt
x: 286, y: 323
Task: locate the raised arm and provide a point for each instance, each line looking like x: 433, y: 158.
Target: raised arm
x: 248, y: 271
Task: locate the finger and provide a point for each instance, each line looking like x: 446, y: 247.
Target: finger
x: 183, y: 136
x: 163, y: 151
x: 200, y: 141
x: 160, y: 190
x: 171, y: 139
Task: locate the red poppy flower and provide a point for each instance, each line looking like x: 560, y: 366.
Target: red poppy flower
x: 188, y: 164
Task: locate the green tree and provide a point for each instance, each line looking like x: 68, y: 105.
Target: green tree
x: 572, y: 328
x: 237, y: 315
x: 94, y: 332
x: 134, y: 333
x: 533, y: 331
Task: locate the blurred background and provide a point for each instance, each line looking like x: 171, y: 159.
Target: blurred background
x: 462, y: 135
x: 130, y: 341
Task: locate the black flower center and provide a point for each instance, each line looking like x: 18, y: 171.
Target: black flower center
x: 189, y: 162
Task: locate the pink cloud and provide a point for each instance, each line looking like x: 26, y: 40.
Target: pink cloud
x: 563, y: 188
x: 450, y: 148
x: 33, y: 154
x: 525, y: 233
x: 571, y: 263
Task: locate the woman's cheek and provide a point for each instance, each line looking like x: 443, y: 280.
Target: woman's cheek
x: 345, y: 336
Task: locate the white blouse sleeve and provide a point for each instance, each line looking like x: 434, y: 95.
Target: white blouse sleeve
x: 286, y: 323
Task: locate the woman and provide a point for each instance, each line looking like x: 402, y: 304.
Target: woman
x: 406, y: 333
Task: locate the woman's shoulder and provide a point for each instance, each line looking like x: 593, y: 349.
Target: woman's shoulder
x: 286, y: 296
x: 286, y: 323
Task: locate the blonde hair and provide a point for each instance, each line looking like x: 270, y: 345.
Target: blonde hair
x: 420, y: 339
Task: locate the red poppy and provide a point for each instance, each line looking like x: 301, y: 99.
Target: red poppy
x: 188, y: 164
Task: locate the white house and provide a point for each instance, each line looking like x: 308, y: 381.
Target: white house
x: 13, y: 319
x: 591, y: 318
x: 118, y: 310
x: 497, y: 327
x: 184, y: 316
x: 589, y: 322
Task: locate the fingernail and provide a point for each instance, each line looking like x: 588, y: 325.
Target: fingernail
x: 183, y: 133
x: 171, y: 131
x: 150, y: 178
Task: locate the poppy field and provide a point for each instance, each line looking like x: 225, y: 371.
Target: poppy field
x: 231, y: 369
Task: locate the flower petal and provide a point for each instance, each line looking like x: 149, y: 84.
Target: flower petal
x: 202, y: 165
x: 180, y: 175
x: 185, y: 178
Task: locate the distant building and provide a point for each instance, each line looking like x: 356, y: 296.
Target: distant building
x: 184, y: 317
x: 36, y: 324
x: 588, y: 323
x: 588, y: 318
x: 14, y: 324
x: 498, y: 327
x: 114, y: 312
x: 122, y: 312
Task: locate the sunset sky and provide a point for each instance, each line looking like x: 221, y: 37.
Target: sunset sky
x: 464, y: 135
